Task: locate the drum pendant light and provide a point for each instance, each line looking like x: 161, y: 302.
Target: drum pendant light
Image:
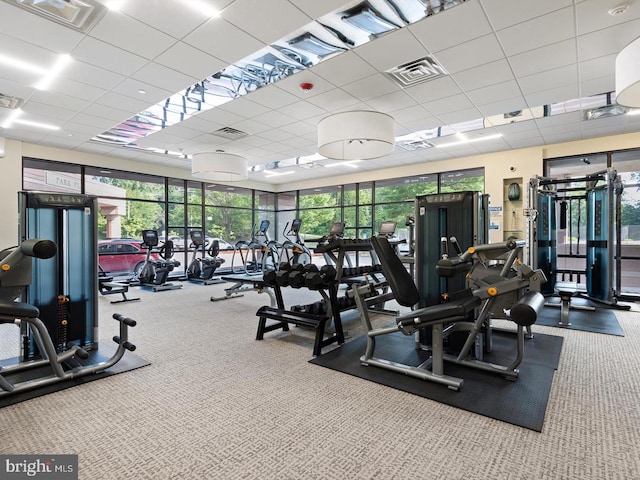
x: 219, y: 167
x: 356, y: 135
x: 628, y: 75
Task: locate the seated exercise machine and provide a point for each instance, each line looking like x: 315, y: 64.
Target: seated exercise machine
x: 15, y: 275
x: 107, y: 286
x: 202, y: 269
x: 154, y: 274
x: 257, y: 255
x: 293, y: 249
x: 512, y: 284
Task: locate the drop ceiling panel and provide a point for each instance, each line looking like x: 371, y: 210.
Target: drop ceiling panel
x: 130, y: 88
x: 316, y: 9
x: 101, y: 54
x: 274, y: 119
x: 594, y: 68
x: 608, y: 41
x: 549, y: 79
x: 484, y: 75
x: 219, y: 117
x: 391, y: 102
x: 37, y: 30
x: 544, y: 58
x: 59, y: 100
x: 538, y: 32
x: 292, y: 83
x: 302, y: 110
x: 213, y: 36
x: 19, y: 50
x: 88, y: 74
x: 80, y: 90
x: 494, y: 93
x: 391, y: 50
x: 250, y: 126
x: 257, y: 17
x: 273, y: 97
x: 124, y: 103
x: 274, y: 135
x: 467, y: 20
x: 344, y: 69
x: 504, y: 106
x: 598, y: 85
x: 459, y: 116
x: 504, y: 13
x: 471, y: 54
x: 449, y: 104
x: 244, y: 107
x: 55, y: 113
x: 190, y: 61
x: 109, y: 113
x: 100, y: 124
x: 559, y: 94
x: 131, y: 35
x: 433, y: 90
x: 334, y: 99
x: 592, y: 15
x: 162, y: 16
x: 164, y: 78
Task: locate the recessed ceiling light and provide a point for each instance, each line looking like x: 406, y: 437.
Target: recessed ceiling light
x: 142, y: 92
x: 202, y: 7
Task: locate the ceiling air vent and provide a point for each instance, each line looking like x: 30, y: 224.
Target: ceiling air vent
x: 416, y: 71
x: 229, y: 133
x: 77, y: 14
x: 10, y: 102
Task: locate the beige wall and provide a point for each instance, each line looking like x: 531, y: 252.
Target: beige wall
x: 526, y: 163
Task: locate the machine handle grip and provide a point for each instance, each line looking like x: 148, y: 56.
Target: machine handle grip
x: 126, y: 320
x: 443, y: 247
x: 456, y: 245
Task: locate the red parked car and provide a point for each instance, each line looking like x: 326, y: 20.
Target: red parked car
x: 121, y: 256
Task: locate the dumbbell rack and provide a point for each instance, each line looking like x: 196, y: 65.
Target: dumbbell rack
x: 327, y: 287
x: 338, y: 249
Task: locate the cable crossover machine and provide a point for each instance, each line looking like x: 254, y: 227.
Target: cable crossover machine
x: 590, y: 256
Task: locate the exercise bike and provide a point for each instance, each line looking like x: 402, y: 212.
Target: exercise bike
x: 202, y: 269
x: 16, y: 267
x: 294, y: 250
x: 154, y: 273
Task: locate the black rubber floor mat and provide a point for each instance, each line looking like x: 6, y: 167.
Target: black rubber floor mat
x: 128, y: 362
x: 600, y: 320
x: 522, y: 402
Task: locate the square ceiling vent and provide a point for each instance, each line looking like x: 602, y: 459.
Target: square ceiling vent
x: 10, y: 102
x: 229, y: 133
x: 77, y: 14
x: 416, y: 71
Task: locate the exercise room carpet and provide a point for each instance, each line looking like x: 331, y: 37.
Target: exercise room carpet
x: 128, y: 362
x: 522, y: 403
x: 601, y: 320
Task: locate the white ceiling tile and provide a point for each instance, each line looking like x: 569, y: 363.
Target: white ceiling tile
x: 567, y: 92
x: 250, y: 126
x: 163, y: 77
x: 97, y: 77
x: 131, y: 35
x: 504, y: 13
x: 273, y: 97
x: 449, y: 104
x: 453, y: 26
x: 162, y: 16
x: 302, y: 110
x: 333, y: 100
x: 274, y: 119
x: 596, y: 67
x: 100, y: 124
x: 106, y: 56
x: 212, y: 37
x: 15, y: 89
x: 598, y: 85
x: 75, y: 89
x: 391, y: 50
x: 37, y: 30
x: 130, y: 88
x: 494, y: 93
x: 538, y: 32
x: 484, y: 75
x: 370, y: 87
x: 251, y: 16
x: 244, y: 107
x: 592, y: 15
x: 59, y: 100
x: 123, y: 103
x: 27, y: 52
x: 503, y: 106
x: 200, y: 123
x: 608, y: 41
x: 549, y: 79
x: 471, y: 54
x: 55, y: 112
x: 190, y: 61
x: 344, y: 69
x: 220, y: 117
x: 291, y: 84
x: 416, y: 112
x: 433, y: 89
x: 315, y: 9
x: 110, y: 113
x: 544, y: 58
x: 275, y: 135
x: 459, y: 116
x: 392, y: 102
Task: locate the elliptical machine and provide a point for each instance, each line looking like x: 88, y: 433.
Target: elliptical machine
x: 154, y: 273
x: 294, y: 250
x: 258, y: 255
x: 201, y: 269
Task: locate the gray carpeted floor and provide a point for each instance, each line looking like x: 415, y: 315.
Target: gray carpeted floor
x: 217, y: 404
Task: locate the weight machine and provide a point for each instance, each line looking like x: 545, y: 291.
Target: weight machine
x: 564, y: 203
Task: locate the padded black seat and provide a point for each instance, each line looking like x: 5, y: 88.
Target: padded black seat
x: 9, y: 311
x: 400, y: 280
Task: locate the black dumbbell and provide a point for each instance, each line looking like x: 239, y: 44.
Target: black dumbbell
x: 296, y: 276
x: 282, y: 275
x: 269, y: 278
x: 322, y: 279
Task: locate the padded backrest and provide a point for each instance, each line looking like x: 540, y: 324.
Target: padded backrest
x: 399, y: 279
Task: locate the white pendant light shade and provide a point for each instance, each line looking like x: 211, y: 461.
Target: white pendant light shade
x: 628, y: 75
x: 219, y: 167
x: 357, y: 135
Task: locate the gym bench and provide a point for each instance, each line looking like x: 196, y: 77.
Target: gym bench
x: 285, y: 317
x: 566, y: 291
